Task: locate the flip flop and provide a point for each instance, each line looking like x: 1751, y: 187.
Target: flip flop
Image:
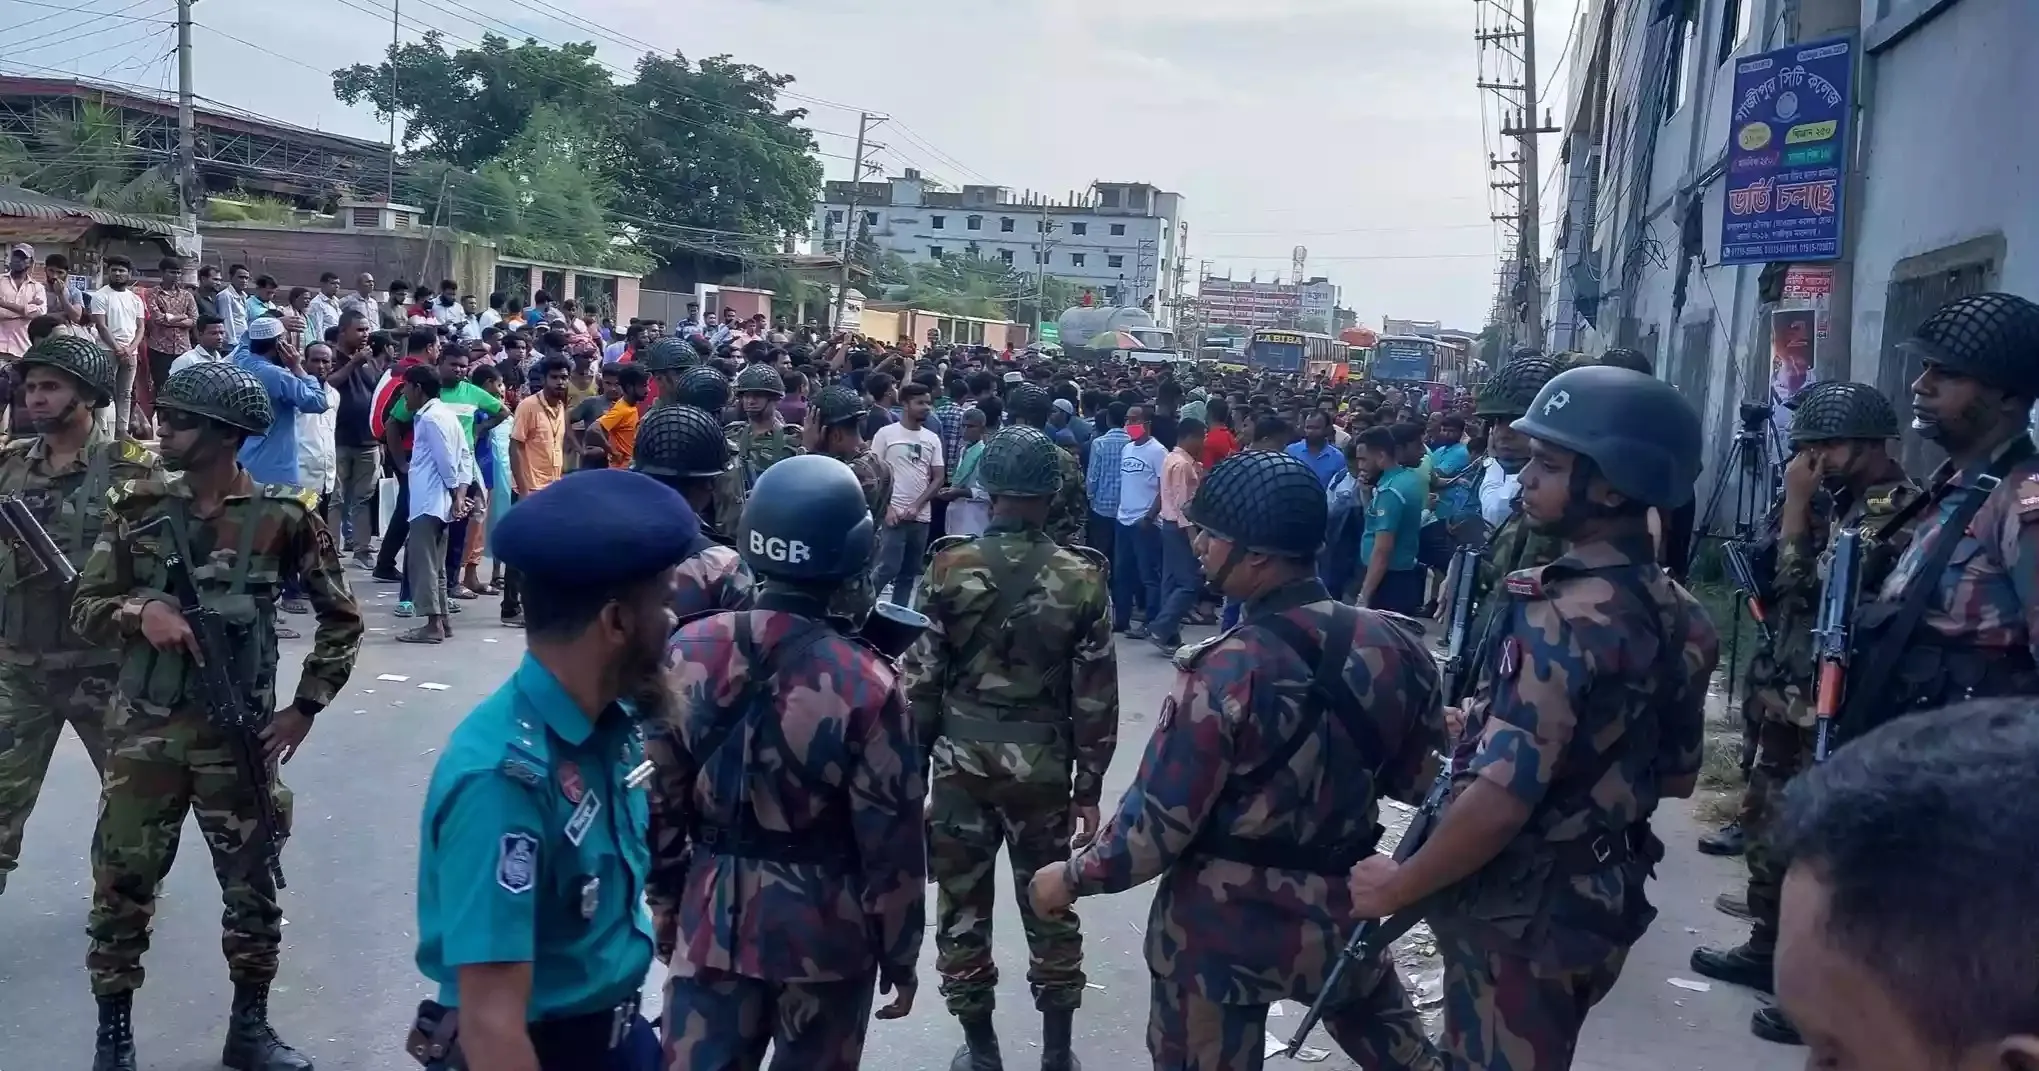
x: 421, y: 634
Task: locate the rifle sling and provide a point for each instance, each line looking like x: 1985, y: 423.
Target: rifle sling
x: 1011, y: 581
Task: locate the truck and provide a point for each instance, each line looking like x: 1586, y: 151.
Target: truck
x: 1081, y: 323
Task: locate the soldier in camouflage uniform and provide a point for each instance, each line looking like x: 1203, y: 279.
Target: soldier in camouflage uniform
x: 167, y: 757
x: 835, y: 427
x: 1016, y: 686
x: 49, y: 676
x: 789, y: 764
x: 706, y: 389
x: 1069, y: 511
x: 680, y: 446
x: 1515, y: 545
x: 667, y: 362
x: 1590, y: 710
x: 1840, y: 431
x: 1260, y: 788
x: 762, y: 438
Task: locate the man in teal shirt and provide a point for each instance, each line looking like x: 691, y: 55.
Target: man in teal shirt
x: 534, y: 850
x: 1394, y: 522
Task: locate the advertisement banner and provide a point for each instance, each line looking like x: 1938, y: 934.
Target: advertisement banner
x: 1788, y: 154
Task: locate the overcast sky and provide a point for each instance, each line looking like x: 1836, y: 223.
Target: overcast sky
x: 1351, y: 127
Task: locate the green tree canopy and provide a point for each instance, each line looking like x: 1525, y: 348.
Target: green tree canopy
x: 85, y: 156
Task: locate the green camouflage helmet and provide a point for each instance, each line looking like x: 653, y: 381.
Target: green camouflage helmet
x: 670, y: 354
x: 839, y: 405
x: 221, y: 391
x: 1020, y: 461
x: 1508, y: 392
x: 1834, y: 410
x: 760, y: 379
x: 82, y: 359
x: 703, y: 388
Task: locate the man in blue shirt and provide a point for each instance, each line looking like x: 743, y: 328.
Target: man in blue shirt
x: 1316, y: 449
x: 272, y: 458
x: 1101, y: 479
x: 534, y: 850
x: 1394, y: 521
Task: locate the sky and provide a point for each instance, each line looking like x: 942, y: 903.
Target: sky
x: 1350, y: 127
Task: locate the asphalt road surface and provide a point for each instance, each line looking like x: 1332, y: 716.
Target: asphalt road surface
x: 348, y: 986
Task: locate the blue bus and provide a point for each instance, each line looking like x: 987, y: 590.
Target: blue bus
x: 1293, y: 351
x: 1404, y: 359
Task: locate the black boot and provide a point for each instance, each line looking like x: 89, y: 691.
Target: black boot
x: 1742, y: 965
x: 1055, y: 1054
x: 1770, y: 1024
x: 115, y: 1050
x: 980, y: 1047
x: 252, y: 1044
x: 1728, y: 840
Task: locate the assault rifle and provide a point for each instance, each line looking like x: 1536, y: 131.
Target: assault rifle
x: 1459, y: 622
x: 1833, y: 633
x: 1739, y: 569
x: 24, y: 531
x: 232, y: 714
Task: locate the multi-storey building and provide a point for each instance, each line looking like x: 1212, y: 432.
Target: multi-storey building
x: 1252, y: 304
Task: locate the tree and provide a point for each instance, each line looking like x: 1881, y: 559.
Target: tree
x: 1314, y: 322
x: 85, y: 157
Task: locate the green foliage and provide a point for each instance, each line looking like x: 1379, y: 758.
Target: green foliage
x: 250, y: 208
x: 84, y: 156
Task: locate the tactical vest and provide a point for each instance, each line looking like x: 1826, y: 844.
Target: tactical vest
x: 166, y: 678
x: 1011, y: 583
x: 35, y: 610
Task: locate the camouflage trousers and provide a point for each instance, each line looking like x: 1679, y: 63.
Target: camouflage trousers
x: 1782, y: 750
x: 1376, y: 1026
x: 159, y: 771
x: 717, y: 1021
x: 1506, y: 1013
x: 36, y: 702
x: 969, y: 818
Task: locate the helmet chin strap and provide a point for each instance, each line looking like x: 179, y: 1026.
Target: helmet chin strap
x: 1579, y: 504
x: 1232, y: 559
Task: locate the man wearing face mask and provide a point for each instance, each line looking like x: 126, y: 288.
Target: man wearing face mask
x: 1958, y: 617
x: 49, y: 675
x: 1841, y: 431
x: 535, y: 858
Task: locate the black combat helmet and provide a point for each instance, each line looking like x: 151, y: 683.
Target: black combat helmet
x: 1029, y: 403
x: 760, y: 379
x: 1020, y: 461
x: 807, y: 519
x: 670, y: 354
x: 1834, y: 410
x: 1638, y: 430
x: 703, y: 388
x: 219, y: 391
x: 1992, y: 338
x: 1263, y: 502
x: 680, y: 442
x: 81, y: 358
x: 1508, y: 392
x: 839, y: 405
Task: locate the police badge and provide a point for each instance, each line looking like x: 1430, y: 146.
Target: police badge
x: 517, y: 863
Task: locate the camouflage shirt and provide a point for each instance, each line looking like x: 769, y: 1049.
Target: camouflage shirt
x: 854, y: 599
x: 714, y: 579
x: 725, y: 505
x: 1069, y: 512
x: 1048, y: 660
x: 1241, y: 934
x: 1988, y: 596
x: 262, y: 534
x: 834, y: 750
x: 1593, y: 697
x: 70, y: 503
x: 755, y: 451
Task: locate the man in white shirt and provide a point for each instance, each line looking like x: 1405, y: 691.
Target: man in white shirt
x: 446, y: 309
x: 323, y: 314
x: 1136, y: 559
x: 493, y: 315
x: 440, y: 463
x: 913, y: 453
x: 211, y: 336
x: 117, y: 317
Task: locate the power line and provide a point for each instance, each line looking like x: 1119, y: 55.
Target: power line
x: 18, y: 45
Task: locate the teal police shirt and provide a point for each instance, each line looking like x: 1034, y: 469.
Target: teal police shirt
x: 1399, y: 497
x: 534, y: 849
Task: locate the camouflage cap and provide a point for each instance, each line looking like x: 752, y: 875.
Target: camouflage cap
x: 670, y: 354
x: 703, y: 388
x: 83, y: 359
x: 760, y: 379
x: 1264, y: 502
x: 1993, y: 338
x: 680, y: 442
x: 1028, y: 403
x: 1834, y: 410
x: 1020, y: 461
x: 839, y: 405
x: 1508, y: 392
x: 221, y: 391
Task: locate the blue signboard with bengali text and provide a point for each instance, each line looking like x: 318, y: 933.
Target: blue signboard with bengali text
x: 1787, y: 154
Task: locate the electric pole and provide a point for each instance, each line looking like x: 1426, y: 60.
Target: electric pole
x: 1511, y: 33
x: 395, y: 42
x: 851, y: 221
x: 187, y: 135
x: 1041, y: 255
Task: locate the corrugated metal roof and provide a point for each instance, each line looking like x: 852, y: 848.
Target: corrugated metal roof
x: 19, y: 202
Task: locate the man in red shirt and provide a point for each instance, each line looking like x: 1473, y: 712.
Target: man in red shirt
x: 1219, y: 442
x: 420, y: 347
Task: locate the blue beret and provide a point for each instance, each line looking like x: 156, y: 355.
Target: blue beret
x: 598, y: 526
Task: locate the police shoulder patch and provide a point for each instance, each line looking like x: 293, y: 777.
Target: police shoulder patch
x: 285, y: 492
x: 517, y: 863
x: 1525, y: 583
x: 2027, y: 495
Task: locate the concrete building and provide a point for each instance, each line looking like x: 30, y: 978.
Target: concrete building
x: 1253, y: 304
x: 1122, y: 241
x: 1930, y: 197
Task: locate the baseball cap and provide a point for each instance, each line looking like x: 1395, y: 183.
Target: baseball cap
x: 22, y: 248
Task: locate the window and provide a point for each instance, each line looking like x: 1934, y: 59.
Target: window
x: 975, y: 223
x: 870, y: 219
x: 1678, y: 65
x: 972, y: 250
x: 1077, y: 259
x: 1735, y: 16
x: 1108, y: 197
x: 1040, y: 257
x: 1005, y: 256
x: 1114, y: 262
x: 935, y: 251
x: 938, y: 222
x: 1005, y: 224
x: 835, y: 217
x: 1118, y: 229
x: 1079, y: 228
x: 1040, y: 226
x: 1919, y: 285
x: 1111, y: 295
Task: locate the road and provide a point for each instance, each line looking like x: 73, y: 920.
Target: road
x: 348, y: 985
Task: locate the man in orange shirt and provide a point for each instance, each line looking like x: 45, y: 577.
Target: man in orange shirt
x: 537, y: 457
x: 616, y: 431
x: 1182, y: 577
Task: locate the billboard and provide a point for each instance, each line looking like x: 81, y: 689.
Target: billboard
x: 1787, y: 154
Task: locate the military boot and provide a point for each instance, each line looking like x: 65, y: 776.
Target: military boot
x: 115, y: 1050
x: 1055, y: 1027
x: 1728, y: 840
x: 1770, y: 1024
x: 252, y: 1044
x: 1743, y: 965
x: 980, y: 1047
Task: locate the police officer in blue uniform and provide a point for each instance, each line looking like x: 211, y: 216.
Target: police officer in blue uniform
x: 533, y: 855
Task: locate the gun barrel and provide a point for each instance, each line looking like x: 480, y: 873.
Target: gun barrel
x: 35, y: 540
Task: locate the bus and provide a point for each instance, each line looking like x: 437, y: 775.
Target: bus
x: 1405, y: 359
x: 1293, y: 351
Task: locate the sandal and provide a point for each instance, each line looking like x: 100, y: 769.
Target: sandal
x: 461, y: 591
x: 421, y: 634
x: 288, y: 633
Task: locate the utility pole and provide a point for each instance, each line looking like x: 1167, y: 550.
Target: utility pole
x: 850, y: 222
x: 395, y: 41
x: 1041, y: 270
x: 187, y: 135
x: 1512, y: 35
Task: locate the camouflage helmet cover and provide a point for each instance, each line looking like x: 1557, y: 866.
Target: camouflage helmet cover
x: 1509, y: 392
x: 670, y: 354
x: 1993, y: 338
x: 760, y: 379
x: 839, y: 405
x: 1022, y: 462
x: 222, y: 392
x: 1835, y: 409
x: 83, y: 359
x: 1263, y: 502
x: 680, y: 442
x: 703, y: 388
